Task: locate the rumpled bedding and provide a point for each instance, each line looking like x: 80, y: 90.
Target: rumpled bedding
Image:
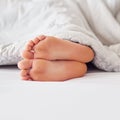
x: 95, y: 23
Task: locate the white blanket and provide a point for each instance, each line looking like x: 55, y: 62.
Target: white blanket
x: 95, y: 23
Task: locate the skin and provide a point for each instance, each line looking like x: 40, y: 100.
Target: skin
x: 47, y: 58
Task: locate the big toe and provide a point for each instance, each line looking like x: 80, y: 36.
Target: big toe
x: 25, y: 64
x: 25, y: 75
x: 27, y: 54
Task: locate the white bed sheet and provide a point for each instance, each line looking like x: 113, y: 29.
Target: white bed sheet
x: 93, y: 97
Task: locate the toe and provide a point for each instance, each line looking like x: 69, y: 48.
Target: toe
x: 27, y: 54
x: 25, y: 75
x: 25, y: 64
x: 39, y: 38
x: 36, y: 40
x: 26, y: 78
x: 29, y: 45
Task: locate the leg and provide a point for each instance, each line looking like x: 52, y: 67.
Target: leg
x: 44, y: 70
x: 52, y: 48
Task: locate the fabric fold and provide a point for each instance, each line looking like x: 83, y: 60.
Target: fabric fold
x: 88, y: 22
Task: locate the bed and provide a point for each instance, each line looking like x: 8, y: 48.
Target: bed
x: 95, y: 96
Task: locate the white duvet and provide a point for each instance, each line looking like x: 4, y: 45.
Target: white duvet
x: 95, y: 23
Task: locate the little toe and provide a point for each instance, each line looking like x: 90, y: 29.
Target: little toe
x: 27, y: 54
x: 25, y: 64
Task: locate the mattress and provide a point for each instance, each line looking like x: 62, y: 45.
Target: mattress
x: 95, y: 96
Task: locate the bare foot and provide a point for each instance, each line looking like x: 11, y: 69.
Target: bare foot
x: 44, y: 70
x: 52, y: 48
